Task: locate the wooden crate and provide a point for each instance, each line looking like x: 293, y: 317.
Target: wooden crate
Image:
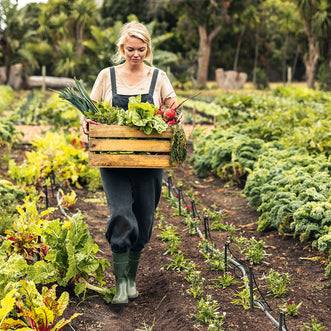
x: 115, y: 139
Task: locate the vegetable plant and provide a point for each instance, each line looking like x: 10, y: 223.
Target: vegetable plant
x: 243, y: 297
x: 207, y: 311
x: 225, y: 281
x: 251, y: 248
x: 37, y: 311
x: 314, y: 325
x: 196, y: 284
x: 290, y: 308
x: 277, y: 282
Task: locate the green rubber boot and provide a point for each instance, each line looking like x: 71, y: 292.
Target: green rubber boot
x: 120, y: 262
x: 134, y: 258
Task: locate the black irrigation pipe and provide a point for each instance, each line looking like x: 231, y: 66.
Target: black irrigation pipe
x: 258, y: 303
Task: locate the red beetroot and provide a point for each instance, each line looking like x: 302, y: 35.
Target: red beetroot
x: 170, y: 113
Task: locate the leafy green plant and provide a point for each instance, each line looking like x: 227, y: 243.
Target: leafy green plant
x: 225, y: 281
x: 277, y: 282
x: 56, y: 154
x: 68, y: 200
x: 170, y: 235
x: 314, y: 325
x: 243, y: 297
x: 10, y: 195
x: 251, y: 248
x: 179, y: 263
x: 38, y: 311
x: 73, y: 253
x: 7, y: 96
x: 216, y: 261
x: 207, y: 311
x: 290, y: 308
x: 25, y: 235
x: 192, y: 223
x: 196, y: 284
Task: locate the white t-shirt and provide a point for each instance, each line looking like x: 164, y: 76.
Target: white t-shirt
x: 102, y: 87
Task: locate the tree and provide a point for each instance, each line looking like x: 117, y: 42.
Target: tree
x: 207, y: 16
x: 114, y: 10
x: 83, y: 12
x: 322, y: 28
x: 308, y: 10
x: 8, y: 36
x: 282, y: 24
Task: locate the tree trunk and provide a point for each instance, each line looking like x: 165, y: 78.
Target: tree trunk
x: 311, y: 59
x: 204, y: 54
x: 295, y: 61
x: 235, y: 64
x: 284, y: 70
x: 79, y: 40
x: 5, y: 52
x: 256, y: 57
x: 328, y: 86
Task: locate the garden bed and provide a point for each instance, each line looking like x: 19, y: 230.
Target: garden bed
x: 164, y: 302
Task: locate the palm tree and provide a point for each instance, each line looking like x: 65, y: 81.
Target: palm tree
x: 84, y: 14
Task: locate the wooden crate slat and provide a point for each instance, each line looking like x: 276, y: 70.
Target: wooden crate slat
x: 112, y: 131
x: 128, y: 161
x: 113, y: 138
x: 125, y: 145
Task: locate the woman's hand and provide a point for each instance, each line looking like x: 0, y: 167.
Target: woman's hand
x: 85, y: 124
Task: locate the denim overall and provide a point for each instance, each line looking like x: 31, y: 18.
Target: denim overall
x: 132, y: 193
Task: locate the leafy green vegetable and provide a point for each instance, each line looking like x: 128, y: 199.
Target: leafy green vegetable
x: 143, y: 115
x: 78, y: 97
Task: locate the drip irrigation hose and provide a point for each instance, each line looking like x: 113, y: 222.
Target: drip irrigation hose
x: 236, y: 264
x: 63, y: 212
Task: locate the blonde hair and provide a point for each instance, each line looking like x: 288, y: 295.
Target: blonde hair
x: 136, y: 30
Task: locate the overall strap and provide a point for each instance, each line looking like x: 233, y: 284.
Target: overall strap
x: 153, y: 82
x: 113, y: 81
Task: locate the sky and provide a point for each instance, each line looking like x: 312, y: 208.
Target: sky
x: 22, y: 3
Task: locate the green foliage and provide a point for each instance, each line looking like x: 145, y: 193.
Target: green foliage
x: 63, y: 155
x: 8, y: 133
x: 261, y: 79
x: 179, y: 263
x: 196, y: 284
x: 225, y: 281
x: 66, y: 252
x: 314, y: 325
x: 251, y: 248
x: 290, y: 308
x: 277, y: 282
x: 243, y: 297
x: 207, y: 311
x: 287, y: 173
x: 73, y: 251
x: 227, y: 153
x: 37, y: 311
x: 10, y: 195
x: 7, y: 97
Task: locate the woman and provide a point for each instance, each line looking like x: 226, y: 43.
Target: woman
x: 132, y: 194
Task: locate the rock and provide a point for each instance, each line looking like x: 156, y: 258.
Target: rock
x: 15, y: 76
x: 3, y: 75
x: 230, y: 80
